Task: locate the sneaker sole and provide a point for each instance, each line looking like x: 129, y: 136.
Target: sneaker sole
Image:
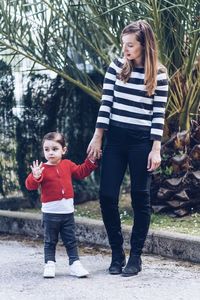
x: 82, y: 276
x: 79, y: 276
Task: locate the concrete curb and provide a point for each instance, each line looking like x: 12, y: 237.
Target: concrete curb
x: 172, y: 245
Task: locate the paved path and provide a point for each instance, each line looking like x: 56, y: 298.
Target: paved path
x: 21, y: 265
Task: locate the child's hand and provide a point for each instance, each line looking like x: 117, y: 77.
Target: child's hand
x: 37, y: 169
x: 93, y: 158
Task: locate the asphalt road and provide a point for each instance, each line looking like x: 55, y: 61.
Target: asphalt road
x: 21, y: 268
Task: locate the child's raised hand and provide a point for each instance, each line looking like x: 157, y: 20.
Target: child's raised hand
x: 37, y: 169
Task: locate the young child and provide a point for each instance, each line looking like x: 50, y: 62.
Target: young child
x: 55, y: 181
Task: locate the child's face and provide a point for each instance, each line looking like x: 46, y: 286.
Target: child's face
x: 53, y: 152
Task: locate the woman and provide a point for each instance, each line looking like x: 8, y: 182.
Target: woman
x: 132, y: 115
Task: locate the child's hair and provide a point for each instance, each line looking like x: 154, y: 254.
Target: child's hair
x: 144, y: 35
x: 55, y: 136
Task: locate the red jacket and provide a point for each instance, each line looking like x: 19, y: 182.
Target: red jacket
x: 56, y: 180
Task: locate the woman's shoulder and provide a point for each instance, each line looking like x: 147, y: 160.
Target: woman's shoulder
x: 162, y: 74
x: 117, y: 62
x: 161, y: 69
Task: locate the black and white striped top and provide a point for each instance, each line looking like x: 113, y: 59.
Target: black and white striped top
x: 127, y: 105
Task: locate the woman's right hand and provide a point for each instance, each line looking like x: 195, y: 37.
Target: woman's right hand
x: 94, y: 149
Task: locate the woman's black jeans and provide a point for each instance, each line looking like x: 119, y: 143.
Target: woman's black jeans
x: 63, y: 224
x: 125, y: 147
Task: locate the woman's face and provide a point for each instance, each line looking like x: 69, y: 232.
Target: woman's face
x: 132, y: 49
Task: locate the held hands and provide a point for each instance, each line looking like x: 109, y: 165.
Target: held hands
x: 37, y: 169
x: 94, y: 149
x: 154, y: 160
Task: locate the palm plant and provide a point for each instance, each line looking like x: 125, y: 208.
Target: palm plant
x: 63, y: 36
x: 184, y: 99
x: 75, y: 37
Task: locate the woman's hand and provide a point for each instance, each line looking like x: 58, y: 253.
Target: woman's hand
x: 94, y: 149
x: 37, y: 169
x: 154, y: 158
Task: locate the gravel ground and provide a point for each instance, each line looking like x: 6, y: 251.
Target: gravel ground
x: 21, y: 264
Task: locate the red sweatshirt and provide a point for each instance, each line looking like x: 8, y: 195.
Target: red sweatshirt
x: 56, y: 180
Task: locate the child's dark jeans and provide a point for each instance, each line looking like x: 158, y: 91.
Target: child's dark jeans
x: 63, y: 224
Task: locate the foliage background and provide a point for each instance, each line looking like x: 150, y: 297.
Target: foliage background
x: 77, y: 39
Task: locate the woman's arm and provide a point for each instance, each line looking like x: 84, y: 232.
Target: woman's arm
x: 94, y: 149
x: 159, y: 104
x: 103, y: 119
x: 154, y: 158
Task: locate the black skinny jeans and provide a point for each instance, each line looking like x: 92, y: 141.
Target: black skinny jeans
x: 63, y: 224
x: 125, y: 147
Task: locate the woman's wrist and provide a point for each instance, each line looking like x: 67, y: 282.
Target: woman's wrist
x: 98, y: 134
x: 155, y: 149
x: 156, y: 146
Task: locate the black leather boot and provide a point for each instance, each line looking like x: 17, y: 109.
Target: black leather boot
x: 134, y: 265
x: 117, y: 263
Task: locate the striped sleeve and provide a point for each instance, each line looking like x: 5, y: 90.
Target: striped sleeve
x: 159, y: 104
x: 103, y: 118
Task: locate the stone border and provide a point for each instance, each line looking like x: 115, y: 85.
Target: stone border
x: 167, y: 244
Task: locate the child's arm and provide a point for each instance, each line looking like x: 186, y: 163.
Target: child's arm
x: 83, y: 170
x: 34, y: 179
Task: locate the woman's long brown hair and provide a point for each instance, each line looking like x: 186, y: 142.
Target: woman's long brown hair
x: 144, y: 35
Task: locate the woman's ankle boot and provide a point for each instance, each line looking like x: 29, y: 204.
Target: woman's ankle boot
x: 134, y: 265
x: 117, y: 263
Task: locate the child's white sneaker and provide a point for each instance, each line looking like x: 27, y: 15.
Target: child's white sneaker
x: 76, y: 269
x: 49, y: 269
